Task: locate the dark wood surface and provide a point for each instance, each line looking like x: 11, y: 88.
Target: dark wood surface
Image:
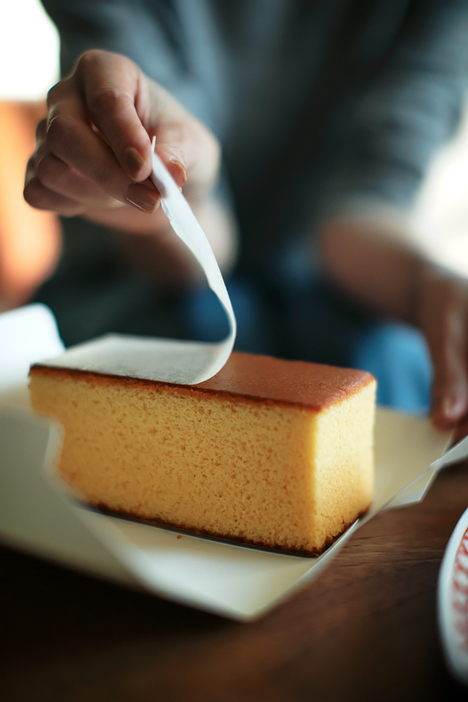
x: 366, y: 629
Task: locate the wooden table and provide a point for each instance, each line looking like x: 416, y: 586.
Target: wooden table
x: 365, y: 630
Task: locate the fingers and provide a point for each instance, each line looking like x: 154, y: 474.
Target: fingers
x: 128, y: 111
x: 94, y: 150
x: 193, y: 159
x: 40, y: 194
x: 50, y: 181
x: 71, y: 138
x: 42, y: 198
x: 450, y: 391
x: 74, y: 156
x: 116, y: 96
x: 143, y: 197
x: 173, y: 162
x: 57, y: 176
x: 187, y: 148
x: 444, y: 317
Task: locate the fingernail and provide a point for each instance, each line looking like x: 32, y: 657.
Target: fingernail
x: 133, y: 161
x: 178, y: 171
x: 141, y: 197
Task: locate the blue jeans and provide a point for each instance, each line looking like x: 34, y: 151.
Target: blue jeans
x: 288, y: 316
x: 311, y: 322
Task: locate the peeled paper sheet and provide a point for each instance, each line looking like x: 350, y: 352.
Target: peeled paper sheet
x: 167, y: 360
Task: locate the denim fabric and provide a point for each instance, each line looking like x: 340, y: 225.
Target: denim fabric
x: 315, y: 324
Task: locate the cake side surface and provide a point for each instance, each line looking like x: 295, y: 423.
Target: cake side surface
x: 224, y: 459
x: 230, y: 468
x: 344, y: 462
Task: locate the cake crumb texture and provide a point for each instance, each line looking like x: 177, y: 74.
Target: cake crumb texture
x: 283, y: 475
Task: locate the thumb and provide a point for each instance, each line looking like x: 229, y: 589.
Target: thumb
x: 189, y: 150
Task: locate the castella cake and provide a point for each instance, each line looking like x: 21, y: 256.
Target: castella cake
x: 268, y: 452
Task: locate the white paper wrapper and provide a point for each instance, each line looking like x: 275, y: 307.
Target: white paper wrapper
x: 164, y: 359
x: 37, y: 513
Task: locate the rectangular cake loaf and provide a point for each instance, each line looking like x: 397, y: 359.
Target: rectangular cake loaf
x: 273, y: 453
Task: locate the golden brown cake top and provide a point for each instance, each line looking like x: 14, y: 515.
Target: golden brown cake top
x: 293, y: 382
x: 255, y: 377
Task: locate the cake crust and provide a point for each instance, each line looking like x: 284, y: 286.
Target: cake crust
x: 252, y: 377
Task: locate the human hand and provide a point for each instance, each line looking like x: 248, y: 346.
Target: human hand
x: 93, y: 151
x: 442, y: 315
x: 376, y: 262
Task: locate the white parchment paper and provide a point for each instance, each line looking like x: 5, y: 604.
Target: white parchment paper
x: 37, y: 512
x: 167, y: 360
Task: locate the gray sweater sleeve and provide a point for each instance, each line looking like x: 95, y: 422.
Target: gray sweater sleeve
x: 389, y: 132
x: 406, y: 113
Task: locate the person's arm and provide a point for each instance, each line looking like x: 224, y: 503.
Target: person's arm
x: 374, y: 264
x: 410, y: 108
x: 153, y: 36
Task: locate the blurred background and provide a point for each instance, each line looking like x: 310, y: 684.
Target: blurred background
x: 440, y: 217
x: 29, y: 47
x: 30, y: 240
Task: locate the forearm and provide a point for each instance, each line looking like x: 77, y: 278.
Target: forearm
x: 156, y: 251
x: 105, y: 176
x: 374, y: 263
